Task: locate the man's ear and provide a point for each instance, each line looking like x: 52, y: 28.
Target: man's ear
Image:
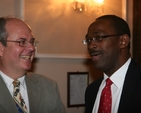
x: 124, y: 41
x: 1, y: 49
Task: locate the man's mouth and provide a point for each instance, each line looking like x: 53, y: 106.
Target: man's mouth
x: 26, y: 57
x: 95, y: 55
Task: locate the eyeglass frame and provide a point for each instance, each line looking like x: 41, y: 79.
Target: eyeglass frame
x: 96, y: 39
x: 34, y: 42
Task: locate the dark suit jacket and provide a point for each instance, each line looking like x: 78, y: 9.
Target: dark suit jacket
x: 130, y: 101
x: 43, y: 96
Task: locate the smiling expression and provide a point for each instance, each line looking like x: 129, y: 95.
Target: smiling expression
x: 14, y: 58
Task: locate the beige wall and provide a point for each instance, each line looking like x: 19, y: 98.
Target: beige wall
x: 57, y: 68
x: 60, y: 31
x: 7, y: 7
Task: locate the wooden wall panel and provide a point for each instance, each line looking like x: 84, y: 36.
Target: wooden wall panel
x: 137, y: 30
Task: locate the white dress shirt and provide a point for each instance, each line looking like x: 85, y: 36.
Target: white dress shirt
x: 23, y: 90
x: 116, y: 88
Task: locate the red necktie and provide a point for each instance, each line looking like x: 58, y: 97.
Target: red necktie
x: 106, y: 99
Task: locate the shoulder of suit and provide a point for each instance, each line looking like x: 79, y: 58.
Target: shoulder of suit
x: 39, y: 77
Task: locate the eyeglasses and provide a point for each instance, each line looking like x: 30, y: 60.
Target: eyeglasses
x: 24, y: 43
x: 97, y: 38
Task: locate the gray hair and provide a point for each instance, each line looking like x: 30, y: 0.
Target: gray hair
x: 3, y: 32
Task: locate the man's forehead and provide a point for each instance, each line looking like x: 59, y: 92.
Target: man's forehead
x: 100, y: 25
x: 16, y: 25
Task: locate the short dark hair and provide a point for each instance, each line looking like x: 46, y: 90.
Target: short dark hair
x: 119, y: 24
x: 3, y: 32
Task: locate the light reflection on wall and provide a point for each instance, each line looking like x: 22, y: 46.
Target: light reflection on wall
x: 58, y: 27
x: 56, y: 8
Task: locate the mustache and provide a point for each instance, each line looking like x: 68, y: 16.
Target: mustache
x: 94, y: 52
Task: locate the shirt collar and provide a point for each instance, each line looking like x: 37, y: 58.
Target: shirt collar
x: 118, y: 77
x: 9, y: 80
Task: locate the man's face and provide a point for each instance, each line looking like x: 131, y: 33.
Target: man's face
x: 106, y: 53
x: 14, y: 57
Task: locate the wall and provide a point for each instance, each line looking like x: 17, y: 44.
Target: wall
x: 57, y: 68
x: 59, y: 28
x: 10, y: 10
x: 60, y: 31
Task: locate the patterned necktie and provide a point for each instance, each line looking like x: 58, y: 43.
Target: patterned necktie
x: 106, y: 99
x: 18, y: 98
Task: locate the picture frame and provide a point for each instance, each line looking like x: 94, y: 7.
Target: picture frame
x: 76, y: 86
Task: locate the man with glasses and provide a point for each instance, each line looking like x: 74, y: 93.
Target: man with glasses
x: 21, y: 92
x: 119, y: 89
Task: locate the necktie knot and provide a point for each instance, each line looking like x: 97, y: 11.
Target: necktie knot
x: 16, y: 83
x: 108, y: 82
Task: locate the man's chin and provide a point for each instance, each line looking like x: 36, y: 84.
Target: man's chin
x: 27, y: 68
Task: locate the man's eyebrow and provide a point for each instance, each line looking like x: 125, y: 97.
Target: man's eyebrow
x: 87, y: 36
x: 97, y: 33
x: 32, y: 39
x: 21, y: 39
x: 26, y: 39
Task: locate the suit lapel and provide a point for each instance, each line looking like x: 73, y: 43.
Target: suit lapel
x: 130, y: 87
x: 92, y: 93
x: 6, y: 100
x: 34, y: 93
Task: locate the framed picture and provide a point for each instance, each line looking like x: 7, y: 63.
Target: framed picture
x: 77, y: 83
